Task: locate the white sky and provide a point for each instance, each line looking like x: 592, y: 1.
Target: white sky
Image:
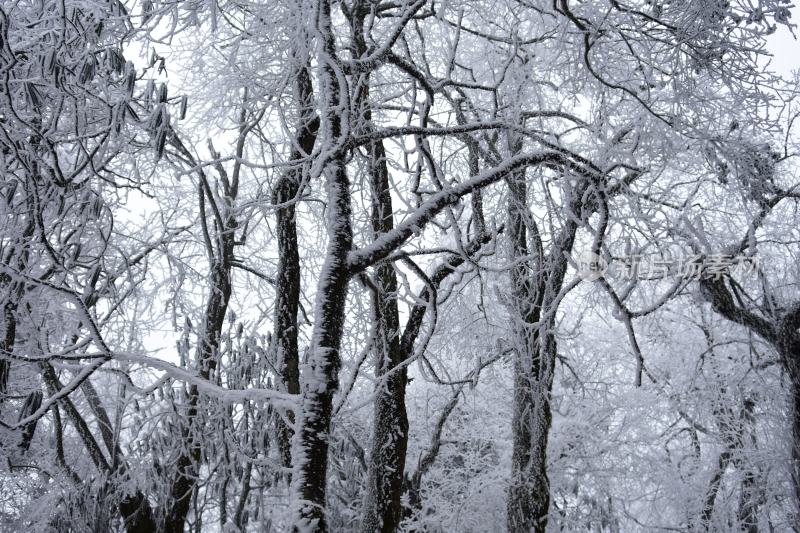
x: 786, y: 49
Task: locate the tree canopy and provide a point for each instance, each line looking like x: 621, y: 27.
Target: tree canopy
x: 381, y: 266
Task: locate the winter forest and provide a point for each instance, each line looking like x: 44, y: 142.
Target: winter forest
x: 380, y: 266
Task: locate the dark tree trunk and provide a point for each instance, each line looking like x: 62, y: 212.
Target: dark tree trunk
x: 287, y: 278
x: 736, y: 431
x: 7, y: 346
x: 321, y: 379
x: 782, y: 333
x: 13, y: 293
x: 789, y: 350
x: 382, y: 510
x: 529, y: 491
x: 187, y: 465
x: 536, y: 280
x: 529, y: 488
x: 795, y: 392
x: 207, y: 353
x: 137, y: 514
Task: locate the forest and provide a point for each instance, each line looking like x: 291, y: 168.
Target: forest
x: 380, y: 266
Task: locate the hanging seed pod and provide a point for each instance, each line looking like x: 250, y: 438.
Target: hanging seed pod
x: 88, y: 70
x: 97, y: 207
x: 130, y: 78
x: 129, y: 111
x: 161, y: 137
x: 112, y: 118
x: 114, y: 60
x: 184, y: 102
x: 148, y: 93
x: 119, y: 117
x: 76, y: 253
x: 95, y: 276
x: 50, y: 63
x: 33, y: 95
x: 11, y: 190
x: 147, y: 11
x: 155, y: 120
x: 162, y: 93
x: 82, y: 207
x: 153, y: 57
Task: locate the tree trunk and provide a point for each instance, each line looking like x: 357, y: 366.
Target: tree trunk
x: 13, y: 293
x: 207, y: 355
x: 7, y: 346
x: 529, y: 491
x: 789, y: 350
x: 382, y: 510
x: 782, y: 333
x: 287, y: 278
x: 187, y: 466
x: 320, y: 379
x: 536, y: 280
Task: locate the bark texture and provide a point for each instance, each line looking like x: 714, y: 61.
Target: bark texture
x: 287, y: 278
x: 221, y: 256
x: 780, y: 329
x: 320, y: 379
x: 536, y: 280
x: 382, y: 509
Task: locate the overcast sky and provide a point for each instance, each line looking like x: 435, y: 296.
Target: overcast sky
x: 786, y: 48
